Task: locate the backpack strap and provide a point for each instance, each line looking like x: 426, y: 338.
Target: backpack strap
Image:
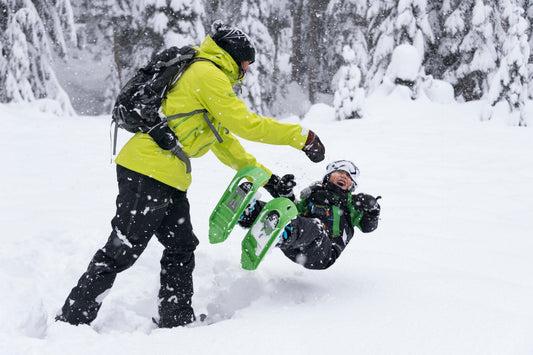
x: 114, y: 138
x: 180, y: 153
x: 209, y: 123
x: 180, y: 115
x: 183, y: 157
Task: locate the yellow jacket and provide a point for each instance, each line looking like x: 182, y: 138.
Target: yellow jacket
x: 205, y: 85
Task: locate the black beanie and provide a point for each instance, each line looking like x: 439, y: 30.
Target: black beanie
x: 233, y: 41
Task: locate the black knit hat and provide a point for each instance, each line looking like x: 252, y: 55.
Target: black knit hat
x: 233, y: 41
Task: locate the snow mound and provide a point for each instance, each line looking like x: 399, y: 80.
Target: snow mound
x: 405, y: 63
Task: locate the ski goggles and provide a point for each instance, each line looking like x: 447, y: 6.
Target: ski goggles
x: 344, y: 165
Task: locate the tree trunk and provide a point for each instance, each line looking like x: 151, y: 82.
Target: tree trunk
x: 298, y: 58
x: 116, y: 55
x: 314, y: 54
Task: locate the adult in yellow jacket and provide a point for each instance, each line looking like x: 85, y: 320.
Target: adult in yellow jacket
x: 153, y: 176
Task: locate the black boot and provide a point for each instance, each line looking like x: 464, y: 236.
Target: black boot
x: 175, y: 294
x: 300, y: 232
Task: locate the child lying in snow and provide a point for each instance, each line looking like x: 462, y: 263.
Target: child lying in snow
x: 327, y: 214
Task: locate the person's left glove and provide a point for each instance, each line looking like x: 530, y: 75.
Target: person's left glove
x: 281, y: 187
x: 167, y: 140
x: 313, y: 148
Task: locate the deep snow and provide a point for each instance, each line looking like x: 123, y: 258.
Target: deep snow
x: 448, y: 271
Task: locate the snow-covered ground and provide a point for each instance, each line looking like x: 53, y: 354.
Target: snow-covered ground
x: 448, y: 271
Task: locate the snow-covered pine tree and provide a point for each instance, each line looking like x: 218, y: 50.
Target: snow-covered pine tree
x: 381, y: 16
x: 527, y: 5
x: 412, y: 25
x: 510, y: 83
x: 347, y: 23
x: 477, y: 55
x: 174, y: 22
x: 5, y: 75
x: 58, y: 20
x: 349, y: 96
x: 465, y: 56
x: 141, y: 28
x: 405, y: 71
x: 438, y: 12
x: 258, y: 85
x: 186, y: 23
x: 66, y: 21
x: 26, y: 59
x: 412, y: 28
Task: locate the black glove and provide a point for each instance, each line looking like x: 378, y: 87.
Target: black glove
x: 366, y: 203
x: 371, y: 210
x: 167, y: 140
x: 281, y: 187
x: 163, y: 136
x: 313, y: 148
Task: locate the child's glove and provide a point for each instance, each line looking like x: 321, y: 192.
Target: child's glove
x: 281, y: 187
x: 313, y: 148
x: 366, y: 203
x: 371, y: 210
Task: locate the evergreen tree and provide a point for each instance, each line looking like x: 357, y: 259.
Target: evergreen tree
x: 155, y: 25
x: 527, y: 5
x: 67, y: 25
x: 478, y: 55
x: 142, y: 28
x: 347, y: 26
x: 381, y: 17
x: 412, y: 25
x: 349, y: 96
x: 438, y: 12
x: 174, y: 22
x: 27, y: 74
x: 466, y: 55
x: 258, y: 84
x: 510, y: 83
x: 58, y: 20
x: 265, y: 22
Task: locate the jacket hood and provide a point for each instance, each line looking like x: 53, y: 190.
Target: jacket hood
x: 210, y: 50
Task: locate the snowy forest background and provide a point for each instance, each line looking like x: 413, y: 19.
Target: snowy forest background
x: 72, y: 56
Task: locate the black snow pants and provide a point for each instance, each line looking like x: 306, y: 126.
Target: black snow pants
x: 309, y: 244
x: 144, y: 207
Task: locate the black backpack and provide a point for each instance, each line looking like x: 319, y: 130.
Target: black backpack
x: 137, y: 107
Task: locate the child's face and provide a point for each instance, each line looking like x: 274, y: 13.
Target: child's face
x: 341, y: 179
